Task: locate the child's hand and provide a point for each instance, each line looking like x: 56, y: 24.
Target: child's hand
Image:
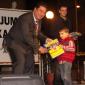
x: 48, y: 40
x: 62, y: 46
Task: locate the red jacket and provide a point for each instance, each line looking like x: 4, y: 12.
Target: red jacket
x: 69, y: 48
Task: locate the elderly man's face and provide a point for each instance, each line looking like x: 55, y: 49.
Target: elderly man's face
x: 40, y: 12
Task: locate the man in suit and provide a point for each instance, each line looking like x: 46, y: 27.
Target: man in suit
x: 23, y: 41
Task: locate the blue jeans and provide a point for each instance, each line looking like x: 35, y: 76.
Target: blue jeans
x: 65, y: 72
x: 57, y: 77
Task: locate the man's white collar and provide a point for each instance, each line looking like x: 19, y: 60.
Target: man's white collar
x: 35, y: 20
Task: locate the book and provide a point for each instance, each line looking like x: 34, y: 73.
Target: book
x: 54, y: 48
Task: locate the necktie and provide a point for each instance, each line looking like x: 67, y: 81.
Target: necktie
x: 36, y: 27
x: 36, y: 41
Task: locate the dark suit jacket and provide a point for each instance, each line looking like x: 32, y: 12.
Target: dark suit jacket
x: 22, y: 34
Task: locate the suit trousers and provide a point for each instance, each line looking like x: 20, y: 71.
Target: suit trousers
x: 23, y: 60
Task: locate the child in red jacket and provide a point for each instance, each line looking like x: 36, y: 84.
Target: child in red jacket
x: 65, y: 60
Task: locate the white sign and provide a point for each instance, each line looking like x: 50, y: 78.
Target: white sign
x: 7, y: 17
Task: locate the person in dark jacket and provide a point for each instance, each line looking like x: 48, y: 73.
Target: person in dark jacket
x: 23, y: 40
x: 62, y: 20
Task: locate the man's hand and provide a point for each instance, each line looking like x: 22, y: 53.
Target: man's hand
x: 42, y: 50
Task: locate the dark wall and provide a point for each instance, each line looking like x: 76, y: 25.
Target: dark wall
x: 7, y: 4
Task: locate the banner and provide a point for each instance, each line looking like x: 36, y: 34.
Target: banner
x: 7, y: 17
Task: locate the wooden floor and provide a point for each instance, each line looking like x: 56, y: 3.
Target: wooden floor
x: 79, y: 83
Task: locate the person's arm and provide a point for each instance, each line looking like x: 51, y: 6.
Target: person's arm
x: 31, y: 40
x: 70, y: 47
x: 42, y: 37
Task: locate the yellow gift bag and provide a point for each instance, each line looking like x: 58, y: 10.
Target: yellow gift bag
x: 54, y: 48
